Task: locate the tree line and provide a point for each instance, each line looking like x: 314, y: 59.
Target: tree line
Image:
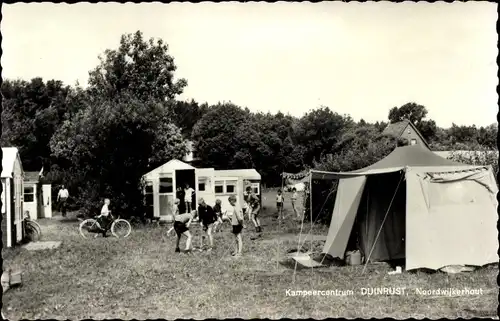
x: 101, y: 139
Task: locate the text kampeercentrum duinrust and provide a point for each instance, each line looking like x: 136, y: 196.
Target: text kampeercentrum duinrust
x: 373, y: 291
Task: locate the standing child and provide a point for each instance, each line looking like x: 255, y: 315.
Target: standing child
x: 254, y: 208
x: 175, y: 212
x: 294, y: 202
x: 188, y: 197
x: 218, y: 213
x: 279, y: 204
x: 237, y: 223
x: 181, y: 226
x: 246, y: 201
x: 207, y: 219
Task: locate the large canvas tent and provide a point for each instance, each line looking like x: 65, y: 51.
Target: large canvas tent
x: 417, y: 206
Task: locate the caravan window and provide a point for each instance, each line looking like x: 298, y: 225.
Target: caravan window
x: 29, y: 194
x: 255, y: 188
x: 219, y: 187
x: 230, y: 187
x: 201, y: 186
x: 166, y: 185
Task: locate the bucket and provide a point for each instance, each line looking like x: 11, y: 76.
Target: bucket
x: 348, y: 257
x: 355, y: 258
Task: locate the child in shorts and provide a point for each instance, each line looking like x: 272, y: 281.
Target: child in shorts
x: 175, y: 212
x: 279, y: 204
x: 254, y: 208
x: 237, y: 223
x: 181, y: 227
x: 218, y: 213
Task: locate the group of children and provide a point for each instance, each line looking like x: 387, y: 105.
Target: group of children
x: 211, y: 218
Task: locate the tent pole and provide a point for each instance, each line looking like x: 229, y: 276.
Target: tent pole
x: 311, y: 215
x: 382, y: 225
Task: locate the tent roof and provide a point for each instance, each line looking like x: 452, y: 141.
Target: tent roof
x: 410, y: 156
x: 8, y: 159
x: 415, y: 157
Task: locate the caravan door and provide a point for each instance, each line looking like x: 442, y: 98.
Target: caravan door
x: 166, y: 193
x: 47, y: 200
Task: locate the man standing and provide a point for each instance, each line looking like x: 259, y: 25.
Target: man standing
x: 207, y: 219
x: 62, y: 197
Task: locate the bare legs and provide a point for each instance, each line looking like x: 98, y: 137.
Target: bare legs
x: 188, y: 241
x: 208, y: 233
x: 239, y: 244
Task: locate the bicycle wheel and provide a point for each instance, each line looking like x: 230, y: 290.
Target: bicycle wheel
x: 33, y: 231
x: 121, y: 228
x: 36, y: 226
x: 89, y: 227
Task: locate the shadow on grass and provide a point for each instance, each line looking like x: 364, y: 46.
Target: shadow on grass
x: 67, y: 220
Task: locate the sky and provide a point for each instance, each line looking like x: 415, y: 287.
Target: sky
x: 360, y: 59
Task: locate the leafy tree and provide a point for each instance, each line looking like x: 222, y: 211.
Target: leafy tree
x: 125, y: 128
x: 410, y: 111
x: 319, y: 131
x: 32, y: 112
x: 416, y: 114
x: 276, y: 151
x: 223, y: 137
x: 144, y: 69
x: 186, y: 114
x: 487, y: 136
x: 110, y: 145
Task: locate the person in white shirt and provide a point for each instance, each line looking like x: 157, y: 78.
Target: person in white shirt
x: 188, y: 197
x: 62, y: 197
x: 104, y: 218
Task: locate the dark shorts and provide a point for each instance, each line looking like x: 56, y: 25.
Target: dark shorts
x: 279, y: 205
x: 255, y: 211
x: 237, y: 229
x: 207, y: 225
x: 180, y: 227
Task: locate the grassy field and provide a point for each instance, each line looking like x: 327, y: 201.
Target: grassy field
x: 141, y: 277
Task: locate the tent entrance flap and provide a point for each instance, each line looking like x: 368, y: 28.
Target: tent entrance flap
x: 349, y: 194
x: 382, y: 225
x: 381, y: 218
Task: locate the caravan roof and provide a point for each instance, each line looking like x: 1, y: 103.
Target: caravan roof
x: 10, y: 154
x: 170, y: 167
x: 249, y: 173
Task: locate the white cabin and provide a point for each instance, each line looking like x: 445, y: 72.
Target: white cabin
x: 12, y: 197
x: 163, y: 183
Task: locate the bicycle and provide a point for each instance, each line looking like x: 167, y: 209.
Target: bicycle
x: 120, y: 228
x: 32, y: 229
